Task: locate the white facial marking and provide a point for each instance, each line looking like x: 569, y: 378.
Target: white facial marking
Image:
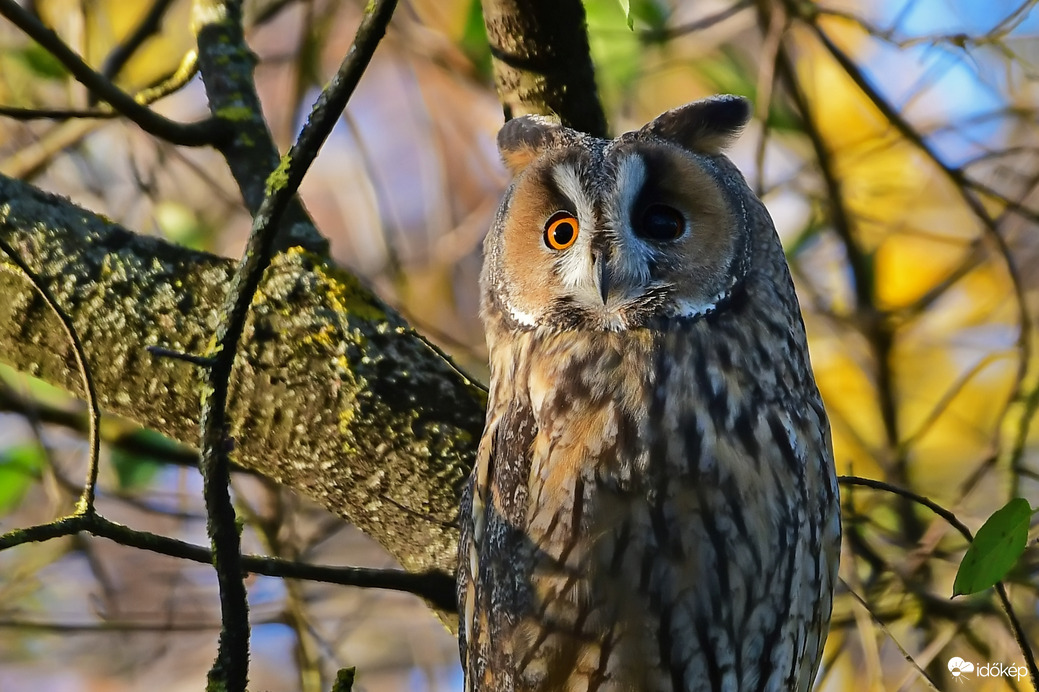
x: 632, y: 258
x: 521, y: 316
x: 689, y: 308
x: 575, y: 262
x: 631, y: 176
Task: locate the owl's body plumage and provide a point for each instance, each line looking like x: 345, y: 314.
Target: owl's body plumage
x: 654, y: 505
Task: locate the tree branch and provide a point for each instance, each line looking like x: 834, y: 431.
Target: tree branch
x: 185, y: 134
x: 435, y: 586
x: 149, y: 26
x: 542, y: 63
x: 231, y: 667
x: 226, y: 65
x: 333, y: 394
x: 953, y: 521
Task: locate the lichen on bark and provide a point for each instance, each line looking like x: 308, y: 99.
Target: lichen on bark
x: 332, y: 394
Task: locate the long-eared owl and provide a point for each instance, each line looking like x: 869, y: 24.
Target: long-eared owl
x: 654, y: 505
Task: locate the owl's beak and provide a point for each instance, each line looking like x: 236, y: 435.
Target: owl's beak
x: 602, y: 273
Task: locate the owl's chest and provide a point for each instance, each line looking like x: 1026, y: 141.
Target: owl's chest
x: 605, y: 422
x: 592, y: 415
x: 623, y: 414
x: 619, y: 411
x: 656, y: 473
x: 635, y: 430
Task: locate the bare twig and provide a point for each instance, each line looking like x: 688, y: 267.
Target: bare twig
x: 434, y: 586
x: 880, y: 623
x: 667, y: 33
x: 27, y: 114
x: 964, y: 186
x: 86, y: 501
x: 149, y: 25
x: 186, y: 134
x: 231, y: 668
x: 1008, y: 609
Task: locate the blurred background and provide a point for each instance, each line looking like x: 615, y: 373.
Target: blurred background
x: 906, y: 200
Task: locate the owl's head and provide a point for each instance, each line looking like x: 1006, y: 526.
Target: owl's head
x: 610, y: 234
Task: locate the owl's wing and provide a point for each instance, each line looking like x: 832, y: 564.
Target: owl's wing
x: 493, y: 510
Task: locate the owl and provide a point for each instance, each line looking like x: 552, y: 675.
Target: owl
x: 654, y: 505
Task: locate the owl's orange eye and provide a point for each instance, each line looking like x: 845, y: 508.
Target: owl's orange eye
x: 561, y: 230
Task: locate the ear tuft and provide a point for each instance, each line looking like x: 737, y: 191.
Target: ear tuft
x: 523, y: 139
x: 707, y: 126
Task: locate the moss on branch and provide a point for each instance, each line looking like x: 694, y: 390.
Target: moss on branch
x: 333, y: 394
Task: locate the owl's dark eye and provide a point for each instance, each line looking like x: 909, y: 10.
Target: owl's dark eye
x: 561, y: 230
x: 661, y: 222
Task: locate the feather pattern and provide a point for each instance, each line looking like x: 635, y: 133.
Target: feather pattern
x: 654, y: 505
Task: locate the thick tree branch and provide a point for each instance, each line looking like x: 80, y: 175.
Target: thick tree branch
x: 231, y: 667
x: 122, y: 436
x: 332, y: 393
x: 226, y: 65
x: 542, y: 63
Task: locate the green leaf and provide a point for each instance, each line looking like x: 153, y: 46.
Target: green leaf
x: 617, y: 53
x: 998, y: 544
x: 626, y: 6
x: 654, y: 14
x: 19, y: 468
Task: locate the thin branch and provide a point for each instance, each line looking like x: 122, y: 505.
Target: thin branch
x: 963, y: 185
x: 434, y: 586
x: 862, y: 277
x: 149, y: 25
x: 880, y: 623
x: 766, y: 84
x: 173, y: 354
x: 186, y: 134
x: 950, y: 394
x: 868, y: 318
x: 184, y: 73
x: 29, y: 114
x: 117, y: 626
x: 268, y: 529
x: 1008, y: 609
x: 664, y: 34
x: 27, y: 163
x: 231, y: 667
x: 86, y: 501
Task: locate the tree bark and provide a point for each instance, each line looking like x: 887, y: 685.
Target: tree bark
x: 333, y: 394
x: 542, y: 64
